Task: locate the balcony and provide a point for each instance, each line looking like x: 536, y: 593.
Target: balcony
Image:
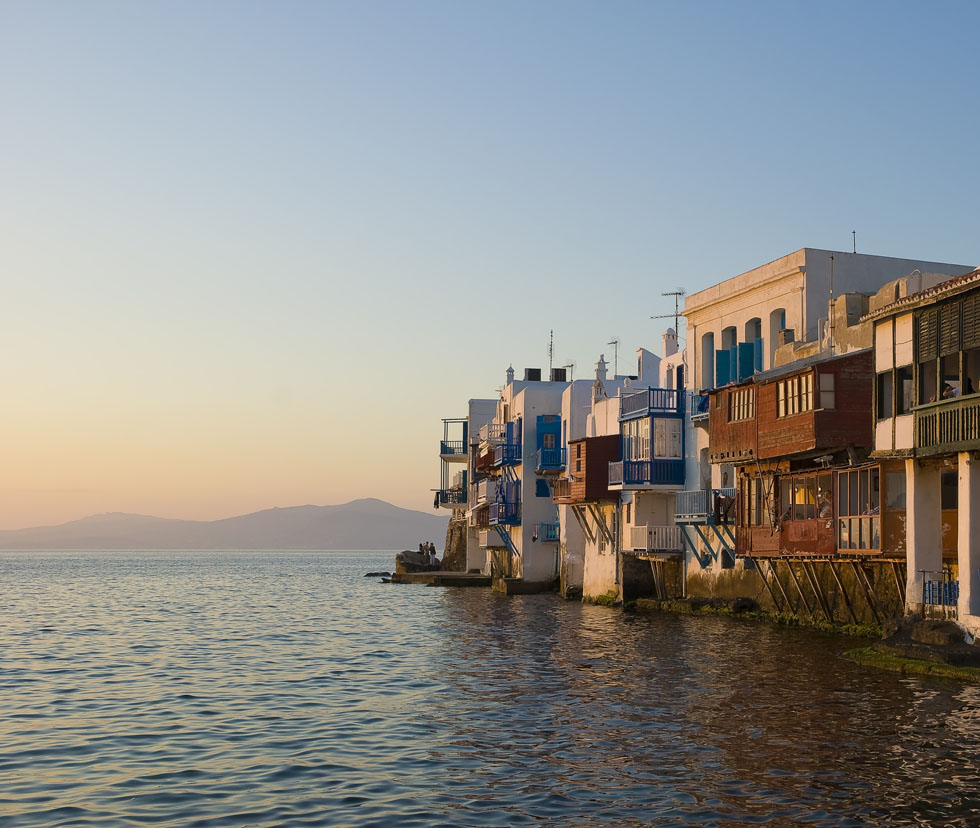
x: 698, y: 406
x: 643, y: 474
x: 505, y: 514
x: 948, y: 426
x: 452, y: 498
x: 651, y: 401
x: 705, y: 506
x: 486, y: 490
x: 452, y: 451
x: 551, y: 460
x: 654, y: 539
x: 507, y: 454
x: 493, y: 433
x: 561, y: 490
x: 546, y: 532
x: 490, y: 539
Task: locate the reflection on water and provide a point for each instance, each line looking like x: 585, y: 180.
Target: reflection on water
x: 265, y: 689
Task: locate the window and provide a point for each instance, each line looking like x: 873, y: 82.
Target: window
x: 895, y: 488
x: 548, y: 440
x: 794, y: 395
x: 578, y: 465
x: 885, y: 395
x: 905, y: 396
x: 949, y: 490
x: 741, y: 404
x: 927, y: 382
x: 667, y: 438
x: 578, y: 449
x: 805, y: 497
x: 636, y: 439
x: 541, y: 488
x: 858, y: 509
x: 828, y: 398
x: 628, y: 512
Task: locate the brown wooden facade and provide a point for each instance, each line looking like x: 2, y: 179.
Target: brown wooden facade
x: 588, y: 470
x: 823, y: 407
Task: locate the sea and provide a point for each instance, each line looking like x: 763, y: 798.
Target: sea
x: 288, y: 689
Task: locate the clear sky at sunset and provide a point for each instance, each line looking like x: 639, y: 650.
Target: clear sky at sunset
x: 252, y: 252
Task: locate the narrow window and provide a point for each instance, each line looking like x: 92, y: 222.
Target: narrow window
x: 827, y: 395
x: 885, y: 395
x: 904, y: 397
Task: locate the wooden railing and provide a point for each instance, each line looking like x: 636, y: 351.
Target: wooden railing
x: 649, y: 400
x: 561, y: 488
x: 948, y: 425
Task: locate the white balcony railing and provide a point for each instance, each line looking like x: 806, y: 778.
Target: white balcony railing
x: 486, y: 490
x: 493, y: 433
x: 655, y: 539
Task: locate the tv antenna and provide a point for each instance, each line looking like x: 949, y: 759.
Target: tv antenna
x: 571, y: 370
x: 677, y: 294
x: 551, y: 350
x: 615, y: 343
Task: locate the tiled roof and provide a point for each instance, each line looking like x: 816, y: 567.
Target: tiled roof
x: 954, y: 285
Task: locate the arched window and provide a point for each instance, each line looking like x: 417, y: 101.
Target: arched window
x: 707, y: 373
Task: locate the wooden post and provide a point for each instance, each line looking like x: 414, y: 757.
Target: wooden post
x: 843, y: 592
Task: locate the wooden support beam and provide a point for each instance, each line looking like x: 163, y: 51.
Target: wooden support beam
x: 868, y: 592
x: 600, y: 523
x: 769, y: 589
x: 843, y: 592
x: 900, y: 582
x: 817, y: 590
x: 775, y: 577
x: 583, y: 522
x: 799, y: 586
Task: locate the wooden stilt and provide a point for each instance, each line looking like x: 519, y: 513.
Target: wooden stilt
x: 799, y: 587
x: 868, y: 592
x: 765, y: 583
x: 775, y: 577
x: 899, y: 582
x: 817, y: 590
x: 843, y: 592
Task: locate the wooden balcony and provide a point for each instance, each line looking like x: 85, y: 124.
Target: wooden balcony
x: 948, y: 426
x: 654, y: 539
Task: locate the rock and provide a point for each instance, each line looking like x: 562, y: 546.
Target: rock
x: 378, y: 575
x: 744, y: 605
x: 938, y: 633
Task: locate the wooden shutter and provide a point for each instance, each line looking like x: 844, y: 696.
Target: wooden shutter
x: 949, y: 328
x: 971, y: 322
x: 927, y: 339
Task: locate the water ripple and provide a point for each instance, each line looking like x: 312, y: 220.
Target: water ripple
x: 268, y: 689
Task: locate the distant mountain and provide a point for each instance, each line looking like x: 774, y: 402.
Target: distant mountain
x: 360, y: 524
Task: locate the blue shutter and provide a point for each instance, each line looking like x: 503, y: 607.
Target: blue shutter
x: 542, y: 489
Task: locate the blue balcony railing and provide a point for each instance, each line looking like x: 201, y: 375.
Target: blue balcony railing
x: 547, y: 532
x: 699, y: 407
x: 452, y: 447
x: 941, y: 593
x: 651, y: 401
x: 551, y: 459
x: 505, y: 514
x: 646, y: 472
x: 507, y: 454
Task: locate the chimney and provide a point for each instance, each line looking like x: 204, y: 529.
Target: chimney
x: 600, y: 368
x: 670, y: 342
x: 785, y: 337
x: 510, y: 374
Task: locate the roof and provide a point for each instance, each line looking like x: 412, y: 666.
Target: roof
x: 957, y: 284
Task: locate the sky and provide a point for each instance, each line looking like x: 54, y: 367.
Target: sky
x: 251, y: 253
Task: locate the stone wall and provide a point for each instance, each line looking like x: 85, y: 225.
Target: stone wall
x: 747, y: 583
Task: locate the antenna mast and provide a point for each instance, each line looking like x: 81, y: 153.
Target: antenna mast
x: 551, y: 351
x: 677, y: 294
x: 615, y: 344
x: 832, y: 314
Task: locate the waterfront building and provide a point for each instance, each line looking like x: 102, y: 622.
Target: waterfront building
x: 456, y: 490
x: 807, y: 305
x: 517, y: 451
x: 927, y: 435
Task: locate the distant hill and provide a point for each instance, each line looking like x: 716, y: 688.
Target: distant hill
x: 360, y: 524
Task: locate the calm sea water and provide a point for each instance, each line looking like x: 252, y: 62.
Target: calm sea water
x: 268, y: 689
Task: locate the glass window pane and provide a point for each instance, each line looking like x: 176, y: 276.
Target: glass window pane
x: 875, y: 533
x: 853, y: 504
x: 842, y: 493
x: 785, y: 502
x: 863, y: 502
x: 811, y: 497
